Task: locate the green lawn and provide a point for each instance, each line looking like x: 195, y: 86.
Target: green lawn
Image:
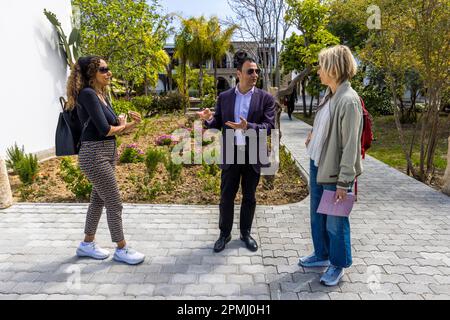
x: 386, y: 145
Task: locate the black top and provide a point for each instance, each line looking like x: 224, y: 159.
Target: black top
x: 102, y: 116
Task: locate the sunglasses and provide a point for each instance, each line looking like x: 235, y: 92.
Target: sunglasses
x: 250, y: 71
x: 103, y: 70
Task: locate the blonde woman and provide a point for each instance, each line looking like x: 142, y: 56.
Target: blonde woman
x: 86, y: 87
x: 334, y: 146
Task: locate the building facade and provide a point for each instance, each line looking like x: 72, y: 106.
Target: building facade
x: 226, y: 69
x: 33, y: 75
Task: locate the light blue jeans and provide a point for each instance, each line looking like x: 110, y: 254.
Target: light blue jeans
x: 330, y: 234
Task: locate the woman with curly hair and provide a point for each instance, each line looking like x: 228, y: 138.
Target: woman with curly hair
x: 86, y: 91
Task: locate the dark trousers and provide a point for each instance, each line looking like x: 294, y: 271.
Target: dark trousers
x: 290, y: 107
x: 248, y: 178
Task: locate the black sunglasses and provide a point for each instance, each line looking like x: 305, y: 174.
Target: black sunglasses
x: 250, y: 71
x: 103, y: 70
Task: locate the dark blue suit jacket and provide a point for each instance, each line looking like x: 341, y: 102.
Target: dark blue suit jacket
x: 261, y: 116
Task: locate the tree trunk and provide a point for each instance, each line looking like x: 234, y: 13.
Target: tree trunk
x: 200, y: 82
x: 146, y: 85
x: 432, y: 142
x: 305, y: 113
x: 287, y: 91
x: 401, y: 134
x: 169, y: 78
x: 311, y: 106
x: 446, y: 185
x: 184, y: 89
x: 5, y: 189
x: 216, y: 90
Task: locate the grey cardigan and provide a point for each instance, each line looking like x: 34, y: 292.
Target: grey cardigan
x: 340, y: 160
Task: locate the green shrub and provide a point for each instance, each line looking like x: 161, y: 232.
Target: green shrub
x: 173, y: 169
x: 377, y: 102
x: 171, y: 102
x: 164, y: 140
x: 15, y: 155
x: 122, y: 106
x: 27, y: 169
x: 286, y: 160
x: 209, y: 101
x: 132, y: 154
x: 75, y: 180
x: 210, y: 177
x: 153, y: 157
x: 149, y: 191
x: 118, y: 141
x: 143, y: 104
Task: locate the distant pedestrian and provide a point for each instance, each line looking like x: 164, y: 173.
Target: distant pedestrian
x: 292, y: 99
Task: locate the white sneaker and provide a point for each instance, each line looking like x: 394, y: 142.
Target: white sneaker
x: 92, y: 250
x: 128, y: 255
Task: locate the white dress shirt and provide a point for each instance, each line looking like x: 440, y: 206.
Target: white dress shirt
x: 241, y: 108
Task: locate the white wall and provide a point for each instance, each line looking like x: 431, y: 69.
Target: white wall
x: 32, y: 73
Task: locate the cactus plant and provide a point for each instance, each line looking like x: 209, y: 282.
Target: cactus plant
x: 71, y: 47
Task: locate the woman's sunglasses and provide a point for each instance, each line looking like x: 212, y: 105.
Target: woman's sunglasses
x: 103, y: 70
x: 250, y: 71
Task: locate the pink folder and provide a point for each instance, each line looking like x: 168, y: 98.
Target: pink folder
x: 329, y: 206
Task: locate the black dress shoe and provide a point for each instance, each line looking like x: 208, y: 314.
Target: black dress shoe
x: 250, y: 243
x: 221, y: 242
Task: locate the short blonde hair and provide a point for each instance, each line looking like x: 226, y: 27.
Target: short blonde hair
x: 338, y: 62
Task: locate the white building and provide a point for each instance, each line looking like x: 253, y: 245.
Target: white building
x: 33, y: 73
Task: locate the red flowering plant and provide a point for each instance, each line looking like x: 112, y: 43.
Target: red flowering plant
x: 132, y: 154
x: 166, y: 140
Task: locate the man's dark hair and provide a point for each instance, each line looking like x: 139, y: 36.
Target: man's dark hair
x: 241, y: 58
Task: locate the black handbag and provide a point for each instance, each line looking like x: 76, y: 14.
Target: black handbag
x: 68, y: 131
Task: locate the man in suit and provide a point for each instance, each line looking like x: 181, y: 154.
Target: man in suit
x: 239, y: 109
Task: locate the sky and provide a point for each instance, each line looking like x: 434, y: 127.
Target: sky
x: 189, y: 8
x: 196, y: 8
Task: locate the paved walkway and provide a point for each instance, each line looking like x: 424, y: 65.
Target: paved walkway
x: 400, y: 238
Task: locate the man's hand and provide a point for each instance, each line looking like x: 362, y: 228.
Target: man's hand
x: 206, y: 114
x: 237, y: 125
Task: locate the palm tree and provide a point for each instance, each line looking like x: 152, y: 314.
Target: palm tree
x: 200, y: 47
x: 220, y: 42
x: 182, y: 47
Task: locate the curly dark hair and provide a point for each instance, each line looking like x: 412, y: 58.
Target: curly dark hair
x: 82, y: 75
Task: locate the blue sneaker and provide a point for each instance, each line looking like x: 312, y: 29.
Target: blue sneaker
x: 332, y: 276
x: 312, y: 261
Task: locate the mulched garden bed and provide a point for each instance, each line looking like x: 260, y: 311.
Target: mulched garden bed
x: 192, y: 188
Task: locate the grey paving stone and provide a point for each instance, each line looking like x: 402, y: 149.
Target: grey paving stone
x: 197, y: 289
x: 440, y: 288
x: 27, y: 287
x: 344, y: 296
x: 400, y: 239
x: 140, y: 289
x: 110, y: 289
x: 416, y: 288
x: 257, y: 289
x: 313, y: 296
